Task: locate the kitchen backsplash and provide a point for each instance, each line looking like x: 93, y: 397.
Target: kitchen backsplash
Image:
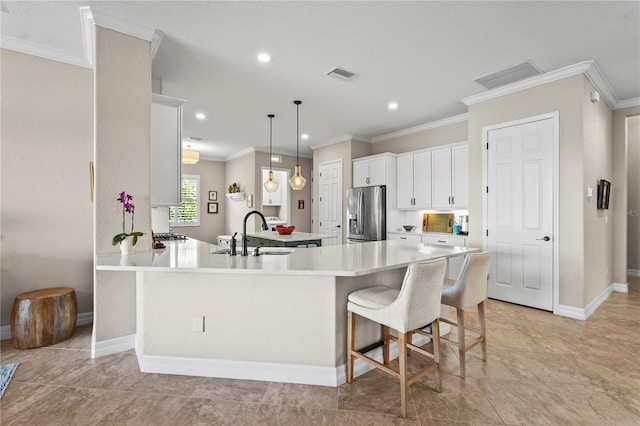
x: 416, y: 218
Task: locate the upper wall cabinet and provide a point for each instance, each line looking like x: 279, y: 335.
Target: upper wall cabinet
x: 166, y: 150
x: 374, y: 170
x: 450, y: 177
x: 414, y: 180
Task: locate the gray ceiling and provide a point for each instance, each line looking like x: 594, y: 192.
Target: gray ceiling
x: 422, y: 55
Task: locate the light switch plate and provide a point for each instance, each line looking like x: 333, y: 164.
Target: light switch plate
x: 589, y: 192
x: 198, y: 323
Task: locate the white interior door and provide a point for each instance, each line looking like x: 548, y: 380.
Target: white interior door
x: 330, y: 201
x: 520, y: 213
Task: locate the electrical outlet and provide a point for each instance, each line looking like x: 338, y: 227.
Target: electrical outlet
x: 198, y: 323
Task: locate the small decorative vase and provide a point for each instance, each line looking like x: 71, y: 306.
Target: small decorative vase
x: 126, y: 246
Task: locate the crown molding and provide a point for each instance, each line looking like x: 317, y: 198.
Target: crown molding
x: 602, y: 85
x: 89, y: 18
x: 421, y: 128
x: 46, y: 52
x: 633, y: 102
x: 528, y: 83
x: 340, y: 139
x: 588, y: 68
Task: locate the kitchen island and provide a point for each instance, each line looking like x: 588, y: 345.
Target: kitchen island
x: 296, y: 239
x: 271, y: 317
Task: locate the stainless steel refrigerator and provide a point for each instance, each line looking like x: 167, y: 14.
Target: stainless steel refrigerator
x: 367, y: 214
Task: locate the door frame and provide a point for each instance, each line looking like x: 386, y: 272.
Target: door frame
x: 341, y: 197
x: 555, y: 117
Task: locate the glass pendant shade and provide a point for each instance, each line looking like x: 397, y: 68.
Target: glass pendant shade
x: 296, y: 181
x: 190, y: 157
x: 271, y: 185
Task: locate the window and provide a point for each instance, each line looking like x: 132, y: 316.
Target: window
x: 188, y: 214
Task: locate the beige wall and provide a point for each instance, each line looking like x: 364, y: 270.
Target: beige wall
x: 45, y: 207
x: 633, y: 191
x: 564, y: 96
x: 345, y: 151
x: 619, y: 192
x: 452, y: 133
x: 300, y: 218
x: 598, y: 164
x: 212, y: 178
x: 122, y: 156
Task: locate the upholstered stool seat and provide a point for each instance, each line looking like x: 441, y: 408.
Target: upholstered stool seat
x: 43, y: 317
x: 373, y: 297
x: 405, y: 310
x: 469, y: 290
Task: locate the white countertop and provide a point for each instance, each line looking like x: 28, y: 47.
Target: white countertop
x: 294, y: 237
x: 337, y: 260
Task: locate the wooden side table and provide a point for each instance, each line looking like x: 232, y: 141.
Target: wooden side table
x: 43, y: 317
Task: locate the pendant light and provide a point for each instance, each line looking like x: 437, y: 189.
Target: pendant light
x: 296, y: 181
x: 271, y: 185
x: 190, y: 157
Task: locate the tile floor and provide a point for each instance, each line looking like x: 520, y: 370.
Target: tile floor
x: 542, y: 370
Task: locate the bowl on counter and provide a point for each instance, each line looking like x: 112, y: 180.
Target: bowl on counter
x: 408, y: 228
x: 285, y: 230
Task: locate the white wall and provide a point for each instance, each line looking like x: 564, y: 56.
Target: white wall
x: 45, y: 207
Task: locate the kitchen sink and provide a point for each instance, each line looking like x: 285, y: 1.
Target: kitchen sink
x: 264, y: 251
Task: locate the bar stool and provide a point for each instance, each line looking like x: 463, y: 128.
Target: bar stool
x: 407, y: 309
x: 470, y: 289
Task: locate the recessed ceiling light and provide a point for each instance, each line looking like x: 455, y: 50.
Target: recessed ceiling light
x: 264, y: 57
x: 304, y: 136
x: 392, y: 105
x: 200, y: 116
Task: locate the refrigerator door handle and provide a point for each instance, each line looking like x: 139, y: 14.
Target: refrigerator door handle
x: 360, y: 216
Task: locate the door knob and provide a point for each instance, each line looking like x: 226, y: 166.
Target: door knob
x: 545, y: 238
x: 337, y: 226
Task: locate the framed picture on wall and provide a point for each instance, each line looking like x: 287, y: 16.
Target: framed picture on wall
x: 213, y: 195
x: 212, y: 207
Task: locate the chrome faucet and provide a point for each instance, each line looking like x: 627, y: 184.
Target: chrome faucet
x: 244, y: 229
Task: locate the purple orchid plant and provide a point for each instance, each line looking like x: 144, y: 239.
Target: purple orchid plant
x: 127, y: 207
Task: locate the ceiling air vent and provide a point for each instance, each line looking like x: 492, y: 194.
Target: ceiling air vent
x: 341, y: 74
x: 508, y: 75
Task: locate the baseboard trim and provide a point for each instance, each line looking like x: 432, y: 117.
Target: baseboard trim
x: 82, y: 319
x: 621, y: 287
x: 633, y: 272
x: 113, y: 346
x: 262, y: 371
x: 584, y: 313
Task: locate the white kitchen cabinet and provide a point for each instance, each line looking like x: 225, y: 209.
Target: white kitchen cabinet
x: 450, y: 177
x: 374, y: 170
x: 460, y: 177
x: 271, y: 198
x: 414, y: 181
x: 166, y: 150
x: 406, y: 236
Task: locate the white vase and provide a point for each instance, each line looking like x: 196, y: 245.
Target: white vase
x: 126, y: 246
